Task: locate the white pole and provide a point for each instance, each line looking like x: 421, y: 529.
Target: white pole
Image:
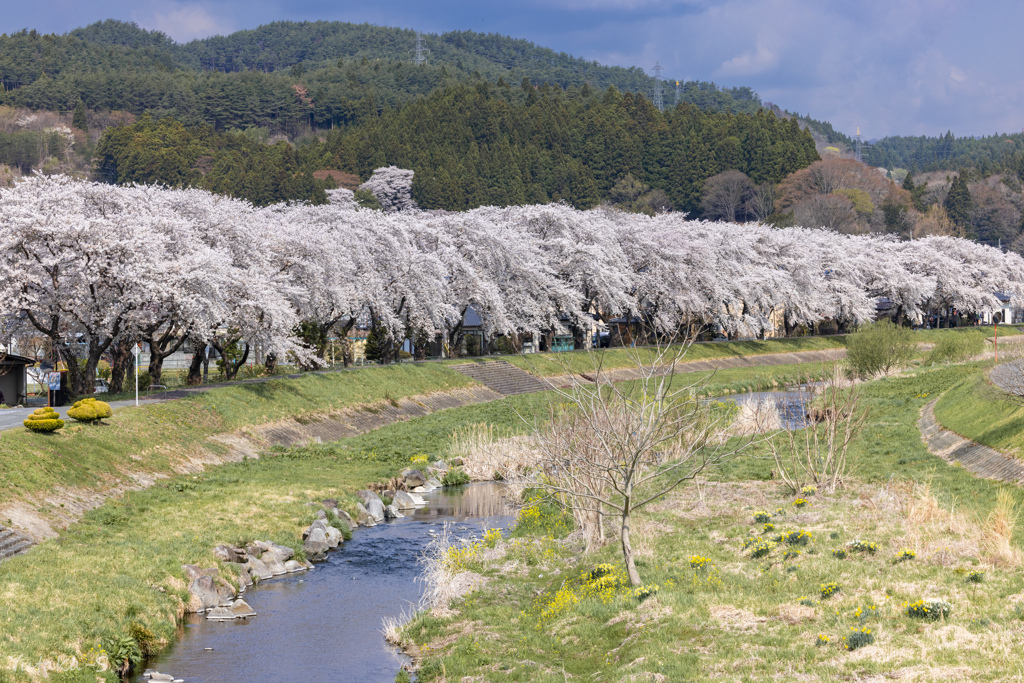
x: 136, y: 350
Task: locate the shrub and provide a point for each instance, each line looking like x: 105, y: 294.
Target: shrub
x: 761, y: 548
x: 839, y: 554
x: 879, y: 348
x: 957, y: 347
x: 798, y: 538
x: 90, y: 410
x: 801, y: 503
x: 975, y: 576
x: 829, y: 589
x: 43, y: 420
x: 858, y: 637
x: 904, y: 555
x: 762, y: 517
x: 454, y: 477
x: 932, y: 609
x: 769, y: 527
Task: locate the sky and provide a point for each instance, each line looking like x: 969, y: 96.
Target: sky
x: 889, y: 67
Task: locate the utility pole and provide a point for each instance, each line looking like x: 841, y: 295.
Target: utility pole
x: 678, y: 93
x: 420, y: 53
x: 856, y: 149
x: 658, y: 102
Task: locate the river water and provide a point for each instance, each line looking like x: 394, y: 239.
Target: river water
x: 325, y: 624
x: 791, y: 405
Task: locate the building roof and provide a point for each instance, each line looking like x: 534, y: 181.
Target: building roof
x: 11, y: 359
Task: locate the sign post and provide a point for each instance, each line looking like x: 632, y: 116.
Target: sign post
x: 136, y: 351
x: 996, y: 343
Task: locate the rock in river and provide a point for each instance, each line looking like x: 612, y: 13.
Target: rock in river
x: 316, y: 545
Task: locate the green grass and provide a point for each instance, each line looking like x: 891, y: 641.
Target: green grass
x: 154, y: 438
x: 536, y: 621
x: 932, y: 336
x: 976, y: 409
x: 546, y: 364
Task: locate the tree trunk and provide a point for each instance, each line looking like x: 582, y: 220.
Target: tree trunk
x: 122, y: 361
x: 75, y: 381
x: 627, y: 549
x: 195, y: 368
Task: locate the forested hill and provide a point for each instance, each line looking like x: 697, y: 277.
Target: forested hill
x: 289, y: 74
x: 485, y: 145
x: 986, y: 155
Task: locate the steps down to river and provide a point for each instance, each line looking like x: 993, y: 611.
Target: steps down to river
x: 502, y: 377
x: 12, y: 543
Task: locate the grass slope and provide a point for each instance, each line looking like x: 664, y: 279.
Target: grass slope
x: 977, y: 409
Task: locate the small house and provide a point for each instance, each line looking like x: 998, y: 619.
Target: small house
x: 14, y: 378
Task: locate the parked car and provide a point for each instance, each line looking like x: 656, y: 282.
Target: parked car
x: 102, y: 387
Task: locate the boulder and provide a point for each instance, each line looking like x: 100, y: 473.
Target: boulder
x: 226, y: 592
x: 283, y: 552
x: 317, y: 524
x: 204, y: 588
x: 294, y: 566
x: 404, y: 500
x: 334, y: 537
x: 348, y: 518
x: 414, y: 478
x: 330, y: 503
x: 274, y: 563
x: 257, y: 569
x: 320, y: 514
x: 226, y: 553
x: 440, y: 464
x: 366, y: 497
x: 239, y: 609
x: 363, y: 517
x: 426, y: 488
x: 157, y: 676
x: 417, y: 498
x: 457, y: 462
x: 434, y: 482
x: 391, y: 512
x: 376, y: 509
x: 316, y: 545
x: 244, y: 580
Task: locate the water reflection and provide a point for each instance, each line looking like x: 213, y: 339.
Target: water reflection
x: 790, y: 406
x: 324, y: 625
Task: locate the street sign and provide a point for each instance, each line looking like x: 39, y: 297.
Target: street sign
x: 53, y: 379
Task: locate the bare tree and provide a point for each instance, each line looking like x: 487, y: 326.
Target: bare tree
x: 610, y: 448
x: 761, y: 203
x: 725, y: 195
x: 833, y: 212
x: 810, y: 448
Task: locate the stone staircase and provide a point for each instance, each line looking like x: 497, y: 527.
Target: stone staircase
x: 12, y: 543
x: 502, y: 377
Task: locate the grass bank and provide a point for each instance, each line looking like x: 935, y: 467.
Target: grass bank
x: 976, y: 409
x: 545, y: 615
x: 155, y: 438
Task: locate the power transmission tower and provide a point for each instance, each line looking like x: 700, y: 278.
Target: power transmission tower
x: 420, y: 53
x: 856, y: 148
x: 657, y: 88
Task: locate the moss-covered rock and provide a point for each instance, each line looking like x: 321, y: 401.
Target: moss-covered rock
x: 90, y: 410
x: 43, y: 420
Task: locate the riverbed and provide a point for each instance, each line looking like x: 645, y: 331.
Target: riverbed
x: 325, y: 624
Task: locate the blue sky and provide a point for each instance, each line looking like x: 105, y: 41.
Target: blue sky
x: 911, y: 67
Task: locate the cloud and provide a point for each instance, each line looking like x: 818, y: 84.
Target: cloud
x: 185, y: 21
x: 752, y: 62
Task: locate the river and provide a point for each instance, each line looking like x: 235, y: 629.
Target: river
x: 325, y: 624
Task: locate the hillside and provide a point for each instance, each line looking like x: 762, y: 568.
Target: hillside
x: 293, y: 76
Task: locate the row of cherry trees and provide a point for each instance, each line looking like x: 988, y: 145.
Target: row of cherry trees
x: 98, y: 268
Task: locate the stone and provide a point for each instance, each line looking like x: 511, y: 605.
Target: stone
x: 244, y: 580
x: 417, y: 498
x: 434, y: 482
x: 316, y: 545
x: 320, y: 514
x: 440, y: 464
x: 391, y: 512
x: 257, y: 569
x: 283, y: 552
x: 330, y: 503
x: 457, y: 462
x: 226, y: 553
x: 390, y: 493
x: 274, y: 563
x: 414, y: 478
x: 376, y: 509
x: 239, y: 609
x: 157, y: 676
x: 404, y: 500
x: 317, y: 524
x: 363, y: 517
x: 426, y: 488
x: 226, y: 592
x: 366, y: 497
x: 205, y: 590
x: 334, y: 537
x: 193, y: 572
x: 294, y: 566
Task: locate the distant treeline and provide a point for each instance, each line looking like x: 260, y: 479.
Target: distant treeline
x: 288, y: 75
x: 479, y: 145
x: 986, y: 155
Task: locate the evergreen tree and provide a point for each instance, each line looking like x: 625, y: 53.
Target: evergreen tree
x: 958, y: 202
x: 78, y: 119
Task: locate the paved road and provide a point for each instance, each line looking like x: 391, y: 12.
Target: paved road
x: 13, y: 417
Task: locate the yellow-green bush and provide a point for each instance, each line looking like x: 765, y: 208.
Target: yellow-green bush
x: 90, y: 410
x: 43, y: 420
